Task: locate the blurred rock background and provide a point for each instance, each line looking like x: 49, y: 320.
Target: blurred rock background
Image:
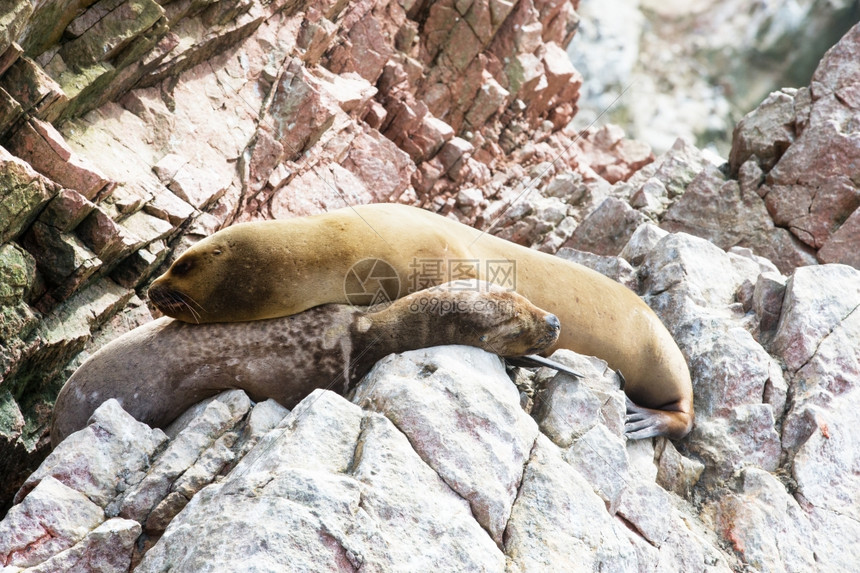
x: 694, y: 69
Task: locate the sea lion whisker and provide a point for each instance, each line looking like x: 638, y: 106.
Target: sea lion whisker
x: 181, y: 300
x: 194, y: 313
x: 189, y: 301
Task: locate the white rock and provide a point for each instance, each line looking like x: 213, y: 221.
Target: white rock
x: 817, y: 299
x: 331, y: 487
x: 463, y: 417
x: 106, y: 549
x: 554, y: 493
x: 219, y: 416
x: 52, y: 517
x: 106, y: 457
x: 767, y: 525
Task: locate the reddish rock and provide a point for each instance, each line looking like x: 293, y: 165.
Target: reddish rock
x: 168, y: 166
x: 431, y: 134
x: 266, y: 154
x: 66, y: 210
x: 729, y: 215
x: 315, y: 36
x: 31, y: 87
x: 612, y: 156
x: 454, y: 152
x: 382, y: 168
x: 299, y: 113
x: 842, y: 246
x: 840, y: 66
x: 43, y: 147
x: 526, y: 76
x: 197, y: 187
x: 375, y: 115
x: 365, y: 50
x: 312, y: 192
x: 559, y: 70
x: 812, y: 214
x: 23, y: 194
x: 351, y: 92
x: 765, y: 132
x: 807, y: 141
x: 607, y: 229
x: 107, y: 239
x: 490, y: 99
x: 827, y: 146
x: 406, y: 117
x: 462, y: 46
x: 560, y: 21
x: 427, y: 175
x: 441, y: 18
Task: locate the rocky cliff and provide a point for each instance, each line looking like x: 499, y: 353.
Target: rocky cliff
x: 693, y: 69
x: 132, y: 128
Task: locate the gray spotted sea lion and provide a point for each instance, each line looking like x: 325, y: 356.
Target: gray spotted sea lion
x: 265, y: 269
x: 160, y: 369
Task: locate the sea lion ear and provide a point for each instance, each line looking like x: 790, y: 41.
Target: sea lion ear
x: 217, y: 252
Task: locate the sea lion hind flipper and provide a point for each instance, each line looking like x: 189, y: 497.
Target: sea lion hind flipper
x: 644, y: 422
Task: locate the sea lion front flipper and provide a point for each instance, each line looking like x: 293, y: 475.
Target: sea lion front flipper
x: 533, y: 360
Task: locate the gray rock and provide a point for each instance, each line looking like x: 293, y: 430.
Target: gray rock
x: 607, y: 229
x: 107, y: 457
x: 644, y: 238
x: 189, y: 445
x: 346, y: 496
x: 692, y: 285
x: 765, y: 132
x: 553, y: 492
x: 817, y: 338
x: 614, y: 267
x: 477, y: 438
x: 52, y: 518
x: 107, y: 548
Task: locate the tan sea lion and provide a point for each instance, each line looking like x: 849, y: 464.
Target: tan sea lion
x: 265, y: 269
x: 160, y: 369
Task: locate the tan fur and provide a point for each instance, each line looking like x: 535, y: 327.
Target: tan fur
x: 274, y: 268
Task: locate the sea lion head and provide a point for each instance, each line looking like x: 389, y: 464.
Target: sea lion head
x: 217, y: 277
x: 479, y: 314
x: 510, y: 325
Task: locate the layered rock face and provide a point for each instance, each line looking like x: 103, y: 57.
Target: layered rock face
x: 130, y: 129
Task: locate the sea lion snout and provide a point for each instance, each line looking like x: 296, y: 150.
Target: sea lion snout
x: 549, y: 338
x: 172, y: 302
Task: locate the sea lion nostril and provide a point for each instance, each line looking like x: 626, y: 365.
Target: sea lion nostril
x: 553, y: 322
